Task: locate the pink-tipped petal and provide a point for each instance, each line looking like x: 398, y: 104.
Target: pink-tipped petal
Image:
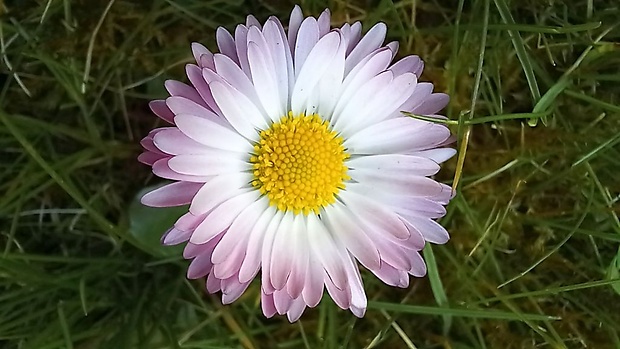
x: 226, y: 43
x: 160, y: 109
x: 267, y: 304
x: 174, y: 194
x: 222, y: 217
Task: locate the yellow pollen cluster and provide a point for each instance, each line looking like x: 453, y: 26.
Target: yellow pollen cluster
x: 299, y: 164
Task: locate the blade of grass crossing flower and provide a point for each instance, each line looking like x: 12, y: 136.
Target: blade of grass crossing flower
x: 436, y: 285
x: 481, y: 119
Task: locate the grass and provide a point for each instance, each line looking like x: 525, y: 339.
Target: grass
x: 534, y: 257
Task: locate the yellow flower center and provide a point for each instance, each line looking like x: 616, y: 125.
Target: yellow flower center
x: 299, y: 163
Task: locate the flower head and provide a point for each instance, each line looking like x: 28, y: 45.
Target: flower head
x: 292, y: 152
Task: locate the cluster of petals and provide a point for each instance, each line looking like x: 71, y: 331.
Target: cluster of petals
x: 381, y: 219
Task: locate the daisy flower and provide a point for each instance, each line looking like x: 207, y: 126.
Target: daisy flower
x: 290, y: 148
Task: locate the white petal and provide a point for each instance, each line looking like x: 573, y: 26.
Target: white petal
x: 233, y: 293
x: 282, y: 246
x: 349, y: 111
x: 174, y: 142
x: 222, y: 217
x: 422, y: 91
x: 330, y: 84
x: 239, y: 232
x: 226, y: 43
x: 216, y: 163
x: 211, y: 133
x: 218, y: 190
x: 380, y: 219
x: 181, y: 105
x: 399, y: 135
x: 394, y: 254
x: 368, y: 68
x: 241, y: 35
x: 230, y: 266
x: 409, y: 164
x: 393, y: 46
x: 200, y: 266
x: 370, y: 42
x: 174, y: 194
x: 376, y: 101
x: 358, y: 296
x: 420, y: 207
x: 342, y: 297
x: 188, y: 221
x: 297, y: 278
x: 251, y: 21
x: 359, y: 312
x: 418, y: 267
x: 324, y: 22
x: 293, y: 26
x: 238, y: 110
x: 296, y: 309
x: 438, y: 155
x: 198, y: 50
x: 159, y: 108
x: 313, y: 289
x: 343, y: 228
x: 149, y: 158
x: 431, y: 230
x: 324, y: 249
x: 267, y: 305
x: 213, y: 284
x: 396, y: 183
x: 282, y: 301
x: 147, y: 142
x: 407, y: 64
x: 316, y: 64
x: 233, y: 74
x: 194, y: 74
x: 307, y: 38
x: 175, y: 236
x: 177, y: 88
x: 431, y: 105
x: 283, y: 61
x: 265, y: 81
x: 391, y: 276
x: 163, y: 170
x: 268, y: 252
x: 354, y: 36
x: 251, y: 262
